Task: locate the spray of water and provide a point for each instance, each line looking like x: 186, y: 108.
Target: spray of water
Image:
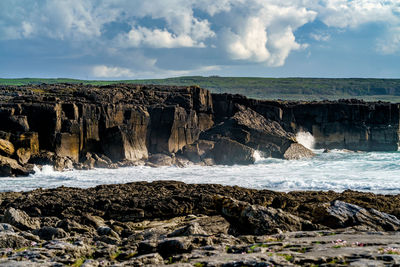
x: 306, y: 139
x: 257, y: 156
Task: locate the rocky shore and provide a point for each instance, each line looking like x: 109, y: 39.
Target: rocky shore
x: 173, y: 223
x: 83, y: 127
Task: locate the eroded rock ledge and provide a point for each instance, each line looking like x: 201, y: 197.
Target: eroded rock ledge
x: 80, y: 126
x: 171, y: 222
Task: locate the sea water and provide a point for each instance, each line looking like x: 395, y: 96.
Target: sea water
x: 377, y: 172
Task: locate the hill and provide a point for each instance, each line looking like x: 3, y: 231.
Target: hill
x: 263, y: 88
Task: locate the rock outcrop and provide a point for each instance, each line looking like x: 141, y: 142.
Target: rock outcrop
x: 84, y: 126
x: 181, y: 224
x: 343, y: 124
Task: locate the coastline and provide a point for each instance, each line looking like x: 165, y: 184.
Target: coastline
x: 167, y: 222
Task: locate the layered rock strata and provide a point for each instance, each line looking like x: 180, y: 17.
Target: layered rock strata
x: 81, y: 126
x: 179, y: 224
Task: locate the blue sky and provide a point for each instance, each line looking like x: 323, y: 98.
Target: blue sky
x: 130, y: 39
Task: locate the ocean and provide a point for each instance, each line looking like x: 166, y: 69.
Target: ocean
x: 377, y: 172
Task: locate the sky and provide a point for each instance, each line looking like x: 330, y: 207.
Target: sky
x: 134, y: 39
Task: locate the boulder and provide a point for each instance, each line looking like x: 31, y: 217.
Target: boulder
x: 259, y: 220
x: 63, y: 163
x: 23, y: 155
x: 254, y: 130
x: 339, y: 214
x: 88, y: 161
x: 50, y: 233
x: 173, y: 246
x: 102, y: 161
x: 198, y: 151
x: 20, y: 219
x: 158, y: 160
x: 297, y: 151
x: 192, y: 153
x: 230, y: 152
x: 6, y: 147
x: 10, y: 167
x: 43, y: 158
x: 12, y: 240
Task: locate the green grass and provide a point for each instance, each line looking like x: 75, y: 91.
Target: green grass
x: 262, y: 88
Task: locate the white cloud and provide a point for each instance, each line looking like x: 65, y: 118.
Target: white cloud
x: 140, y: 36
x: 390, y: 44
x: 244, y: 30
x: 324, y: 37
x: 103, y: 71
x: 268, y: 34
x: 353, y: 13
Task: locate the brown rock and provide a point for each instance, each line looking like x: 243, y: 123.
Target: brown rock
x: 67, y: 145
x: 259, y: 220
x: 23, y: 155
x: 339, y: 214
x: 297, y: 151
x: 230, y: 152
x: 6, y: 147
x: 30, y: 141
x: 10, y: 167
x: 20, y: 219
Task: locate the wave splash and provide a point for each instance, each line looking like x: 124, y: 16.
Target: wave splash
x: 306, y: 139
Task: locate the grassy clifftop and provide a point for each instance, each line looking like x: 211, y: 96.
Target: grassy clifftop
x: 264, y: 88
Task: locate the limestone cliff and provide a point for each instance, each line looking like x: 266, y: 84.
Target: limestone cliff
x: 84, y: 126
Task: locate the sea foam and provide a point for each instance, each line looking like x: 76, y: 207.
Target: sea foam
x: 306, y: 139
x: 377, y: 172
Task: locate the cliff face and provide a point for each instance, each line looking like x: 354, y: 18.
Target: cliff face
x: 125, y: 123
x: 86, y: 126
x: 343, y: 124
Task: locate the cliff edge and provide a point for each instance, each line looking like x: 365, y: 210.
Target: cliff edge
x: 83, y: 126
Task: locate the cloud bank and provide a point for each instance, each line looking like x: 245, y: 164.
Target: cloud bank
x: 226, y: 31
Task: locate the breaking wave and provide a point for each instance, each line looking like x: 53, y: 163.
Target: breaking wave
x: 306, y: 139
x: 377, y: 172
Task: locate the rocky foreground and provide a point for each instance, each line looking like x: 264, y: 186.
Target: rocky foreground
x: 173, y: 223
x: 81, y: 126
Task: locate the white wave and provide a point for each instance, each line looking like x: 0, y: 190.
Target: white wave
x: 376, y: 172
x: 306, y: 139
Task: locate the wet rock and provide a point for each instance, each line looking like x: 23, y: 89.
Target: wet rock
x: 339, y: 214
x: 102, y: 161
x: 254, y: 130
x: 43, y: 158
x: 20, y: 219
x: 297, y: 151
x: 10, y: 167
x: 192, y: 153
x: 63, y: 163
x: 230, y: 152
x: 161, y: 160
